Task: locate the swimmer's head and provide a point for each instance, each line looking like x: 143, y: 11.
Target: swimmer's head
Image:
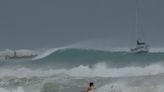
x: 91, y: 84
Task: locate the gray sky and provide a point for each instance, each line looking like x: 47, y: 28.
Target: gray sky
x: 54, y: 23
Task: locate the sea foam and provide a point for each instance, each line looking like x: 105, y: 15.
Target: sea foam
x: 98, y: 70
x: 19, y: 89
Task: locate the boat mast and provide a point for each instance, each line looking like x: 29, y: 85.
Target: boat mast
x: 137, y: 21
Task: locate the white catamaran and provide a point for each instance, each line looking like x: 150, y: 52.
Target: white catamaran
x: 141, y: 47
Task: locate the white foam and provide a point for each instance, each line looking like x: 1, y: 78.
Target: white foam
x: 119, y: 87
x: 19, y: 89
x: 99, y: 70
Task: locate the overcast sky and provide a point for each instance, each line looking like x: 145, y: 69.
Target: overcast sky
x: 55, y: 23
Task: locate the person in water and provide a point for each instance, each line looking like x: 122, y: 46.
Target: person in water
x: 91, y: 87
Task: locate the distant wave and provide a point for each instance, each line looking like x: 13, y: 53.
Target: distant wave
x: 71, y: 57
x: 45, y: 54
x: 53, y: 50
x: 48, y: 52
x: 64, y: 49
x: 89, y: 55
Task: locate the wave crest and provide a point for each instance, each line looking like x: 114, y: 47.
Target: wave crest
x: 98, y: 70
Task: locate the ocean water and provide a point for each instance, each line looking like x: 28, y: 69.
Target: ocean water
x: 71, y: 69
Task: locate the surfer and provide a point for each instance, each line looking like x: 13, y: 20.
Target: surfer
x: 91, y: 87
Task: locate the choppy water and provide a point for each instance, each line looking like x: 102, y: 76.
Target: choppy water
x: 70, y: 70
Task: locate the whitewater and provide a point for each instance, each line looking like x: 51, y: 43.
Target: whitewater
x: 71, y: 69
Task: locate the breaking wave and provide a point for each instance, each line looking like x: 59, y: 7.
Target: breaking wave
x: 113, y: 71
x: 19, y: 89
x: 98, y: 70
x: 45, y: 54
x: 119, y: 87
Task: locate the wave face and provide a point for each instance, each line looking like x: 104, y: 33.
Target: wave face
x: 70, y: 70
x: 74, y: 57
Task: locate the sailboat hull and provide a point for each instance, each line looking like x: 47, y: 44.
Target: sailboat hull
x: 139, y: 50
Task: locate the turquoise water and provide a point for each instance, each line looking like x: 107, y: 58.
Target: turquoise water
x: 72, y: 57
x: 83, y: 56
x: 70, y: 70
